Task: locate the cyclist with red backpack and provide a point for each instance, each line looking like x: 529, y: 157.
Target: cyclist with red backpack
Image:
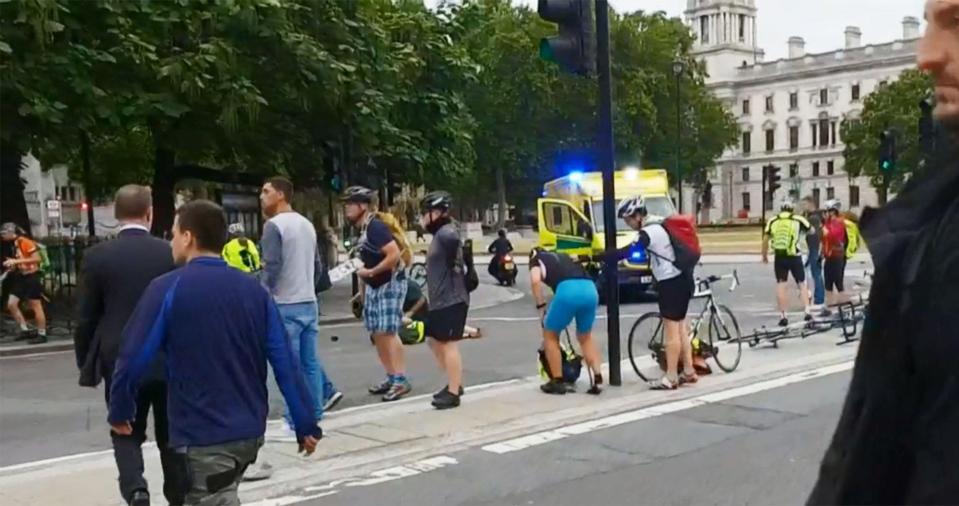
x: 835, y: 240
x: 673, y: 252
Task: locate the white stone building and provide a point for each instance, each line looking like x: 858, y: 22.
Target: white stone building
x: 790, y: 110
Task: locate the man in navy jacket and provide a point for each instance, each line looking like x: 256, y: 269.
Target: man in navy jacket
x: 218, y: 328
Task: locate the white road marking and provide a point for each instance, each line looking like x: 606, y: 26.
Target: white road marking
x: 521, y: 443
x: 65, y: 458
x: 36, y: 355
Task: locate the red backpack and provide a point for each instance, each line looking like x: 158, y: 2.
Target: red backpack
x: 685, y: 241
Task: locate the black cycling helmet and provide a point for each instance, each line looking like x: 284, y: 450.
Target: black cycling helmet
x: 360, y: 194
x: 533, y: 253
x: 437, y: 200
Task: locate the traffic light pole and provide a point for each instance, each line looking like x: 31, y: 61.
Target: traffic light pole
x: 765, y: 196
x: 604, y: 148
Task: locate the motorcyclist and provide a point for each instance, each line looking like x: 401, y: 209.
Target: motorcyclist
x: 499, y: 248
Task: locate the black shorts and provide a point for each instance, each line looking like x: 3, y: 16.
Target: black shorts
x: 447, y: 324
x: 786, y: 265
x: 674, y: 295
x: 27, y: 287
x: 833, y: 274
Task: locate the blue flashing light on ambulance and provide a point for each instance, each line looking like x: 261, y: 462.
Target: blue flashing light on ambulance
x: 571, y: 218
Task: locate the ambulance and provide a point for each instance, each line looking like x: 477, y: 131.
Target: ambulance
x: 571, y: 219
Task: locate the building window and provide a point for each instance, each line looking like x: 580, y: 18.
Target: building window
x: 855, y: 92
x: 73, y: 194
x: 704, y: 29
x: 745, y: 173
x: 824, y: 96
x: 742, y: 28
x: 794, y: 137
x: 770, y: 140
x: 769, y: 103
x: 793, y: 101
x: 769, y: 202
x: 853, y: 196
x: 816, y: 197
x: 830, y: 168
x: 830, y: 193
x: 747, y: 142
x: 832, y: 132
x: 824, y: 132
x: 815, y: 135
x: 815, y: 169
x: 32, y: 197
x: 794, y: 170
x: 746, y: 205
x: 746, y: 106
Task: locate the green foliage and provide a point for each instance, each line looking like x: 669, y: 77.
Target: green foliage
x: 454, y: 96
x: 892, y: 106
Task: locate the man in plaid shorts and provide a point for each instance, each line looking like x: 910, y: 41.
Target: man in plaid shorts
x: 383, y: 291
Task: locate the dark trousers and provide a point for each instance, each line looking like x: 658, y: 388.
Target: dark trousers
x: 127, y: 450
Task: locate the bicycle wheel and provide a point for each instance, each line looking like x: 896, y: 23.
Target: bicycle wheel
x: 646, y: 337
x: 418, y: 273
x: 725, y: 335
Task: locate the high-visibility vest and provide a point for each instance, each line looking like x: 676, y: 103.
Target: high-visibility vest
x: 241, y: 253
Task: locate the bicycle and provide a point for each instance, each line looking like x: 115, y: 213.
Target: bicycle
x: 722, y: 328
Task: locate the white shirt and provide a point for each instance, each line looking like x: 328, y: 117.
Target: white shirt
x: 661, y: 254
x: 133, y: 226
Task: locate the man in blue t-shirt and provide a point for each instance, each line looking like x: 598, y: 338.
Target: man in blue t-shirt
x: 383, y: 291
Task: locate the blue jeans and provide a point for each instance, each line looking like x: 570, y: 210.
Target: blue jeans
x: 301, y: 324
x: 815, y: 270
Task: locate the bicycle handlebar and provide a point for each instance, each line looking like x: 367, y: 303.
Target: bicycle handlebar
x: 734, y: 276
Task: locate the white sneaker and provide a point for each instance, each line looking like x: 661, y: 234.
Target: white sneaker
x: 259, y: 470
x: 333, y: 401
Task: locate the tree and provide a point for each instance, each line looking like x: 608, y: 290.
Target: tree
x: 891, y: 106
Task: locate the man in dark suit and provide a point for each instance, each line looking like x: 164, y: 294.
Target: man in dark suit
x: 114, y: 276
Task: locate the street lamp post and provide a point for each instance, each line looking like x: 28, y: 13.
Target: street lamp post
x: 678, y: 68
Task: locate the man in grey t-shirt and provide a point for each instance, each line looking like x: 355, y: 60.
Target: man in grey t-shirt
x: 291, y: 266
x: 449, y: 299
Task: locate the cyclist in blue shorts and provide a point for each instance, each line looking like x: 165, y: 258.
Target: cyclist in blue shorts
x: 574, y: 297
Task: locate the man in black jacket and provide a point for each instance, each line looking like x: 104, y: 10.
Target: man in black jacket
x: 896, y: 441
x: 114, y: 276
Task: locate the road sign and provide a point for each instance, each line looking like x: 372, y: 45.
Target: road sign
x: 53, y: 208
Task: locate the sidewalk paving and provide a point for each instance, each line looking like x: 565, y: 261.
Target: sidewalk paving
x: 375, y: 438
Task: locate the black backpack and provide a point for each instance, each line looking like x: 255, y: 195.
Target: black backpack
x: 470, y: 277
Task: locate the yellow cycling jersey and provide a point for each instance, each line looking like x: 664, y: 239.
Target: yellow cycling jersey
x: 785, y: 231
x: 242, y: 254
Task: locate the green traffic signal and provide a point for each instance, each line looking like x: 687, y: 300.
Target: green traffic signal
x: 886, y: 165
x: 546, y: 51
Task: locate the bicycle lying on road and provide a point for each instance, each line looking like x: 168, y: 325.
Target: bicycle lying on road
x: 721, y: 332
x: 846, y: 317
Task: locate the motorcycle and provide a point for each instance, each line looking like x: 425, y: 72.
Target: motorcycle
x: 504, y: 270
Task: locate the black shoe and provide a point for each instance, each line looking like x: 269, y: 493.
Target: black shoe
x: 381, y: 388
x: 446, y: 400
x: 140, y: 498
x: 553, y: 387
x: 808, y: 317
x: 784, y: 322
x: 445, y: 389
x: 596, y: 387
x: 39, y: 339
x: 26, y: 335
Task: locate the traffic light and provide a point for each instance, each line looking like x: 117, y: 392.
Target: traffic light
x: 887, y: 151
x: 772, y: 177
x: 574, y: 49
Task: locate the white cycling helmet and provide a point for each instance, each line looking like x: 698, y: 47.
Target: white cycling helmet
x: 787, y: 205
x: 235, y: 229
x: 833, y: 205
x: 631, y: 206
